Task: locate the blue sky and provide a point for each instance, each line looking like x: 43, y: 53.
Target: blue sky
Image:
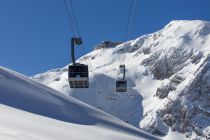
x: 35, y: 34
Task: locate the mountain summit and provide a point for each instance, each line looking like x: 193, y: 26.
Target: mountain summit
x: 168, y: 74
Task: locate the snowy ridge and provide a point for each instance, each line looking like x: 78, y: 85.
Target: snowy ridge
x: 167, y: 73
x: 30, y: 110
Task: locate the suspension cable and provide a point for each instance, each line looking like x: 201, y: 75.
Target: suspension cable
x: 74, y: 18
x: 131, y: 18
x: 129, y: 26
x: 70, y: 17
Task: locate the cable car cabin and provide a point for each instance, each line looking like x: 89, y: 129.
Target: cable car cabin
x: 78, y: 76
x: 121, y: 86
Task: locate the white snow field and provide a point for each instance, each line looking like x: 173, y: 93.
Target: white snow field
x: 168, y: 76
x: 32, y: 111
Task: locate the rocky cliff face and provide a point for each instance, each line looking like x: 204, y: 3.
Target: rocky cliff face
x: 168, y: 75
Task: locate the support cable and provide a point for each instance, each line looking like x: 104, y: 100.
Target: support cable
x: 70, y: 18
x: 129, y: 25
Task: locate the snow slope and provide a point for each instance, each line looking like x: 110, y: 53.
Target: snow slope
x: 168, y: 77
x: 31, y: 111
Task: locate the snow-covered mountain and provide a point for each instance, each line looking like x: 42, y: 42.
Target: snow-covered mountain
x: 32, y: 111
x: 168, y: 75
